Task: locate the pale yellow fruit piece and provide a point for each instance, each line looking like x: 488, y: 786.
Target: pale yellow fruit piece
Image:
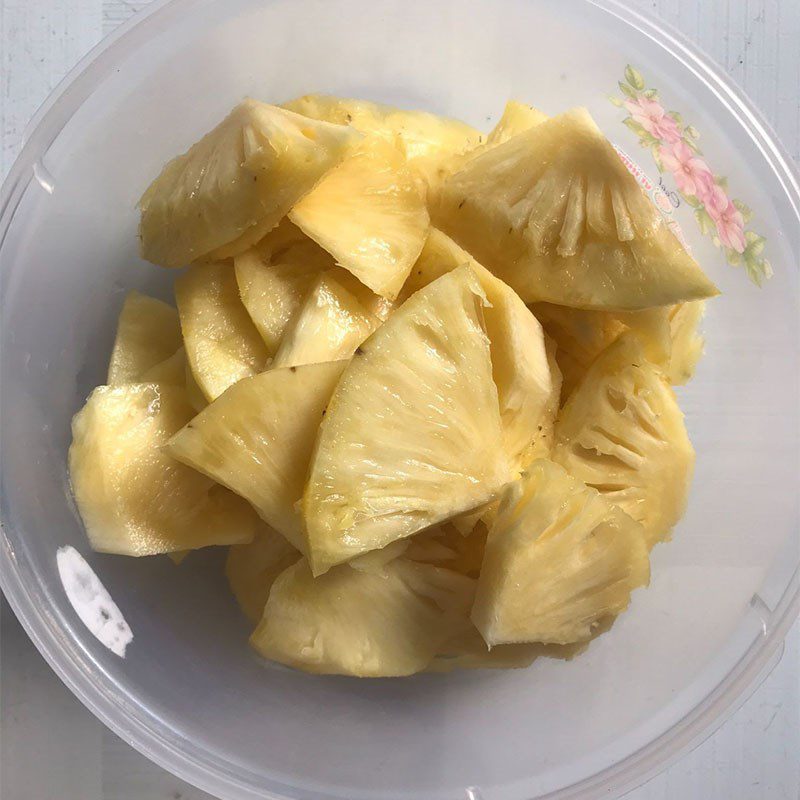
x: 329, y: 326
x: 222, y: 343
x: 555, y: 213
x: 364, y: 623
x: 251, y: 569
x: 275, y: 276
x: 559, y: 559
x: 517, y: 118
x: 622, y: 432
x: 420, y: 132
x: 519, y: 359
x: 687, y: 342
x: 372, y: 303
x: 257, y: 439
x: 582, y: 334
x: 134, y: 498
x: 148, y: 332
x: 194, y: 394
x: 170, y: 371
x: 445, y: 546
x: 369, y: 213
x: 545, y: 439
x: 237, y: 182
x: 412, y: 435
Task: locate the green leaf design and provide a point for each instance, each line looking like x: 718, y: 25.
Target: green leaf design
x: 631, y: 123
x: 732, y: 257
x: 676, y: 116
x: 691, y: 132
x: 691, y: 200
x: 693, y: 146
x: 650, y: 94
x: 704, y: 221
x: 634, y: 77
x: 627, y: 91
x: 657, y: 158
x: 744, y: 210
x: 648, y: 140
x: 722, y: 181
x: 755, y: 244
x: 615, y: 100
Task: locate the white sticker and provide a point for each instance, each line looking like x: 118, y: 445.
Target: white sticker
x: 92, y: 603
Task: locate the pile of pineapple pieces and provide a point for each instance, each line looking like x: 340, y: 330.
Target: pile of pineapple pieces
x: 419, y: 380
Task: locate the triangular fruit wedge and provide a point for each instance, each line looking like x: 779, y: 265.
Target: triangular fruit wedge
x: 252, y: 568
x: 412, y: 435
x: 148, y: 332
x: 519, y: 358
x: 171, y: 371
x: 582, y: 334
x: 420, y: 132
x: 560, y: 559
x: 222, y: 343
x: 369, y: 213
x: 622, y: 432
x: 555, y: 213
x: 687, y: 342
x: 517, y: 118
x: 257, y: 439
x: 365, y: 623
x: 237, y: 182
x: 275, y: 276
x: 134, y: 498
x: 329, y: 326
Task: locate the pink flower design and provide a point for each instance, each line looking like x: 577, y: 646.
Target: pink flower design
x: 727, y: 218
x: 691, y: 173
x: 652, y: 117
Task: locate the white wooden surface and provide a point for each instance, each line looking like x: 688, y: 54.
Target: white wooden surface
x: 51, y: 748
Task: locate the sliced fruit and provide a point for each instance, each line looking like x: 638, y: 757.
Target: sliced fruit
x: 545, y: 438
x: 362, y: 623
x: 445, y: 546
x: 134, y: 498
x: 257, y: 439
x: 559, y: 560
x: 194, y: 394
x: 517, y: 118
x: 329, y: 326
x: 171, y: 371
x: 275, y: 277
x: 222, y: 343
x: 687, y: 343
x: 237, y: 182
x: 372, y: 303
x: 420, y: 132
x: 412, y: 435
x: 252, y: 568
x: 148, y: 332
x: 622, y: 432
x: 519, y: 359
x: 369, y: 214
x: 555, y: 213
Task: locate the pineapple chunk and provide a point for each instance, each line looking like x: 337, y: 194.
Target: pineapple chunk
x: 237, y: 182
x: 420, y: 133
x: 148, y: 332
x: 252, y: 568
x: 583, y: 334
x: 517, y: 118
x: 555, y: 213
x: 559, y: 560
x: 329, y: 326
x: 194, y: 394
x: 687, y: 343
x: 413, y: 434
x: 446, y: 546
x: 171, y: 371
x: 275, y: 276
x: 135, y: 499
x: 370, y: 215
x: 257, y: 439
x: 222, y: 344
x: 361, y: 622
x: 519, y: 359
x: 622, y: 432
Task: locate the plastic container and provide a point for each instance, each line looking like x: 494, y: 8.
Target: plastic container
x: 188, y: 692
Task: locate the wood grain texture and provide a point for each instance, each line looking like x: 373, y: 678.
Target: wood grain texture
x: 51, y: 748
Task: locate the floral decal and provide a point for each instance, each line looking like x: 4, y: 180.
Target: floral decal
x: 675, y: 151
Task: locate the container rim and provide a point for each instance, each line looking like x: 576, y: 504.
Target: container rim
x: 44, y: 630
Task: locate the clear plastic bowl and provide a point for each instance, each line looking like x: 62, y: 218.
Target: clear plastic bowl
x: 189, y: 693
